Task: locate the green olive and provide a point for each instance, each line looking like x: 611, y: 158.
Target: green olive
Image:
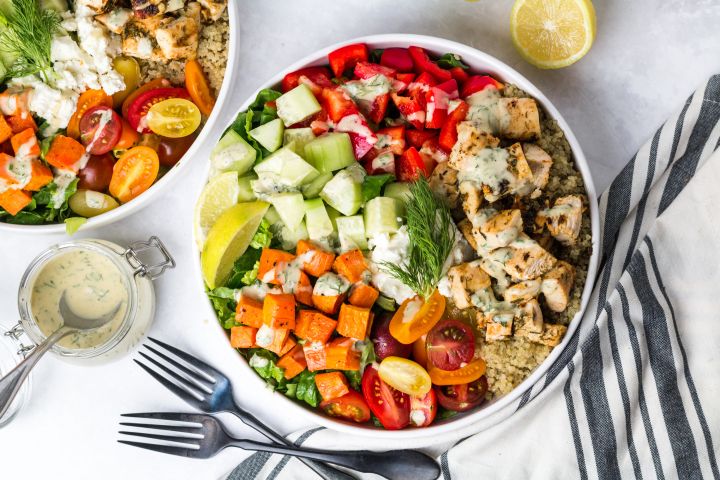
x: 89, y: 203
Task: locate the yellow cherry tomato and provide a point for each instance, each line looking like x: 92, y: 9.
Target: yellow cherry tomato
x: 469, y: 373
x: 416, y: 317
x: 174, y: 118
x: 405, y: 375
x: 129, y: 68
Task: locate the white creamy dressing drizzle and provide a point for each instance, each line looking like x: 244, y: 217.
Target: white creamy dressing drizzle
x: 105, y: 117
x: 289, y: 273
x: 331, y: 285
x: 355, y: 124
x: 19, y: 168
x: 489, y: 167
x: 63, y: 179
x: 394, y: 249
x: 364, y: 92
x: 93, y: 286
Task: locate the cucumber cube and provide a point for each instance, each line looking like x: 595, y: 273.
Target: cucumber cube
x: 246, y: 192
x: 400, y: 192
x: 273, y: 217
x: 297, y: 105
x: 334, y: 215
x: 351, y: 231
x: 269, y: 135
x: 343, y: 193
x: 288, y: 238
x: 288, y: 167
x: 330, y: 152
x: 312, y: 189
x: 232, y: 154
x: 300, y: 137
x: 380, y: 216
x: 291, y: 208
x: 317, y: 221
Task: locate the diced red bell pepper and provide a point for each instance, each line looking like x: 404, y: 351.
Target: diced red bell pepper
x: 459, y: 74
x: 398, y: 59
x: 319, y: 124
x: 361, y: 144
x: 448, y: 133
x: 317, y: 76
x: 379, y: 161
x: 420, y: 86
x: 361, y: 136
x: 477, y: 83
x: 436, y: 103
x: 410, y: 166
x: 432, y: 154
x: 424, y: 64
x: 405, y: 77
x: 392, y: 138
x: 365, y: 70
x: 345, y: 58
x: 416, y: 138
x: 450, y: 87
x: 410, y: 110
x: 338, y: 103
x: 402, y: 81
x: 378, y: 108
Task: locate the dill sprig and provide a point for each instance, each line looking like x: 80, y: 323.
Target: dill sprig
x: 27, y: 31
x: 432, y: 237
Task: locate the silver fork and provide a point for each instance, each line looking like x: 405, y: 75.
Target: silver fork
x: 203, y: 436
x: 210, y: 391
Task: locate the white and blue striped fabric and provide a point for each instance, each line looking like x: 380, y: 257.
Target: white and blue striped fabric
x: 636, y: 393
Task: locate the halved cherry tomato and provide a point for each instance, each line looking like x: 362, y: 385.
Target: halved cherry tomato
x: 460, y: 398
x: 469, y: 373
x: 450, y: 344
x: 171, y: 150
x: 143, y: 103
x: 129, y: 68
x: 88, y: 99
x: 151, y: 85
x: 423, y: 409
x: 411, y: 166
x: 198, y: 87
x: 318, y: 76
x: 128, y: 137
x: 420, y: 318
x: 97, y: 173
x: 448, y: 132
x: 345, y: 58
x: 174, y: 118
x: 134, y: 173
x: 390, y: 406
x: 351, y: 406
x: 477, y: 83
x: 419, y: 351
x: 424, y: 64
x: 405, y: 375
x: 100, y: 129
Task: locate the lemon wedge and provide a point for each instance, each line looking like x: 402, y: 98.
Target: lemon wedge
x: 218, y: 195
x: 553, y: 33
x: 228, y: 239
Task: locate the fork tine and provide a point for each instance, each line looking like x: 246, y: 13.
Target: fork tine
x: 194, y: 384
x: 190, y: 376
x: 167, y: 438
x: 199, y: 364
x: 172, y: 450
x: 184, y: 392
x: 174, y: 428
x: 194, y: 373
x: 172, y: 416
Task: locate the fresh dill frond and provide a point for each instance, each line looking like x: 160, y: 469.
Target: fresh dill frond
x: 432, y: 236
x: 27, y: 33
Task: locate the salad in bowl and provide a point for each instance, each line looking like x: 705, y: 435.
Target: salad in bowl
x: 392, y: 238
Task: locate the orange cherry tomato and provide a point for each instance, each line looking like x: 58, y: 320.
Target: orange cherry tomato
x: 416, y: 317
x: 128, y: 137
x: 134, y: 173
x: 197, y: 85
x: 469, y: 373
x: 88, y: 99
x: 419, y: 349
x: 157, y: 83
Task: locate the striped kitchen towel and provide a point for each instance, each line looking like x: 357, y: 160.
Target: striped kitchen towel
x: 635, y: 393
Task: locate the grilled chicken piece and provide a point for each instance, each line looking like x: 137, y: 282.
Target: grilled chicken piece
x: 531, y: 319
x: 138, y: 40
x: 502, y: 229
x: 466, y: 279
x: 466, y: 228
x: 471, y: 141
x: 498, y: 328
x: 95, y: 6
x: 148, y: 8
x: 564, y: 219
x: 212, y: 10
x: 443, y: 182
x: 178, y: 38
x: 521, y: 119
x: 523, y: 291
x: 551, y: 335
x: 115, y: 20
x: 494, y: 265
x: 529, y: 260
x: 556, y: 286
x: 540, y: 163
x: 472, y: 198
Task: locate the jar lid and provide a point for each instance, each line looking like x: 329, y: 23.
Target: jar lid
x: 14, y: 345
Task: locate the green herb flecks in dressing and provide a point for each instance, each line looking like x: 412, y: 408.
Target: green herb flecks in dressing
x: 490, y: 168
x: 364, y: 92
x: 485, y: 111
x: 93, y: 286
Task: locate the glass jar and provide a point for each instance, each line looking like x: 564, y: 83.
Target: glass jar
x: 12, y: 351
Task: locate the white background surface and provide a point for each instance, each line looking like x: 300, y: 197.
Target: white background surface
x: 648, y: 56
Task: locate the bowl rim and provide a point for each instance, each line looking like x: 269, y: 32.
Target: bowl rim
x: 470, y: 422
x: 161, y: 185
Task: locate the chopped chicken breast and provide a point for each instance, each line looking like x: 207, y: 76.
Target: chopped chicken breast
x: 148, y: 8
x: 471, y: 141
x: 138, y: 40
x: 467, y: 230
x: 443, y: 182
x: 529, y: 260
x: 540, y: 163
x: 178, y: 38
x: 96, y: 6
x: 498, y: 330
x: 472, y: 198
x: 502, y: 229
x: 466, y: 279
x: 522, y: 118
x: 551, y: 335
x: 556, y: 286
x: 531, y: 318
x: 212, y: 10
x: 523, y: 291
x: 564, y: 219
x: 494, y: 265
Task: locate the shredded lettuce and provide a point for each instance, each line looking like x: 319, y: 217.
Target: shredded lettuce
x: 260, y: 112
x: 223, y: 301
x: 373, y: 184
x: 41, y: 210
x: 451, y: 60
x: 301, y: 387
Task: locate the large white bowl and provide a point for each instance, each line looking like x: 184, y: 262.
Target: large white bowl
x: 464, y: 423
x: 145, y: 198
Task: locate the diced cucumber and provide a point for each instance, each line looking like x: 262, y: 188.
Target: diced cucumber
x: 330, y: 152
x: 300, y: 137
x: 232, y: 153
x: 273, y: 217
x: 351, y: 231
x: 269, y: 135
x: 291, y: 208
x: 380, y: 216
x: 343, y: 192
x: 59, y: 6
x: 288, y: 238
x: 317, y: 221
x: 312, y: 189
x: 288, y: 167
x: 400, y: 191
x: 297, y: 105
x: 246, y: 192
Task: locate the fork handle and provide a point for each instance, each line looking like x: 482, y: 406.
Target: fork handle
x: 327, y: 472
x: 395, y: 465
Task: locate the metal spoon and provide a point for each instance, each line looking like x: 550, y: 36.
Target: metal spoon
x: 10, y: 383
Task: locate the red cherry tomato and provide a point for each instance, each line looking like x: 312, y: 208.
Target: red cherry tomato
x: 97, y: 173
x: 460, y: 398
x: 423, y: 409
x: 450, y: 344
x: 351, y: 406
x: 390, y: 406
x: 100, y: 129
x: 171, y: 150
x: 142, y: 104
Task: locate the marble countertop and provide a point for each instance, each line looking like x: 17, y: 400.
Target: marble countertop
x: 647, y: 58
